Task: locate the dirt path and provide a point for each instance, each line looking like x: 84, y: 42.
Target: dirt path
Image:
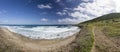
x: 28, y: 45
x: 102, y: 43
x: 93, y: 47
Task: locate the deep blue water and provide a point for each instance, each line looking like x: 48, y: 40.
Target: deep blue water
x: 29, y: 26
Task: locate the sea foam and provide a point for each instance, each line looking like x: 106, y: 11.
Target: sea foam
x: 44, y: 32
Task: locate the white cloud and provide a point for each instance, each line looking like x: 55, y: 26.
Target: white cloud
x: 89, y: 10
x: 44, y: 20
x: 67, y: 21
x: 85, y: 0
x: 117, y: 3
x: 61, y: 13
x: 70, y: 0
x: 57, y: 0
x: 44, y: 6
x: 3, y: 11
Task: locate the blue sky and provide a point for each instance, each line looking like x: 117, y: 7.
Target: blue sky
x: 54, y: 11
x: 34, y: 11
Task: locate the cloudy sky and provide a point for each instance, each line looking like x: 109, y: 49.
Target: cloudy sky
x: 54, y: 11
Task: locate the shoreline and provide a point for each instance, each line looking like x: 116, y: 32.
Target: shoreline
x: 43, y: 39
x: 42, y: 45
x: 45, y: 34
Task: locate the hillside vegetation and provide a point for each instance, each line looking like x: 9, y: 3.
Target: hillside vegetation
x: 101, y: 34
x: 105, y: 32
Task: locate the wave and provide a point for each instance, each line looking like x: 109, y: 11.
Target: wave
x: 44, y: 32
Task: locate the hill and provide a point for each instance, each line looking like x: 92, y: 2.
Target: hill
x: 101, y: 34
x: 112, y: 16
x: 104, y: 33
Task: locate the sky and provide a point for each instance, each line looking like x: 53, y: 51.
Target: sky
x: 54, y: 11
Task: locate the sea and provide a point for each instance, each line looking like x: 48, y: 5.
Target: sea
x: 44, y: 31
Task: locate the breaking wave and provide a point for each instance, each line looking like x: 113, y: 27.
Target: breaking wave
x: 44, y: 32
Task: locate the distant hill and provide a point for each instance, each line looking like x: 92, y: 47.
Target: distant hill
x: 112, y: 16
x: 105, y: 30
x: 101, y: 34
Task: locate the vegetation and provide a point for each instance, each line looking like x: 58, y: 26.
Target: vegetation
x: 110, y: 25
x: 87, y: 42
x: 6, y: 46
x: 111, y: 31
x: 84, y: 40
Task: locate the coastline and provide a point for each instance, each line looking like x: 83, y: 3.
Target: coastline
x: 43, y: 45
x: 42, y: 32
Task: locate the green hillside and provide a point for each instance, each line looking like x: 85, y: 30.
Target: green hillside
x: 107, y: 26
x: 105, y: 18
x: 110, y: 23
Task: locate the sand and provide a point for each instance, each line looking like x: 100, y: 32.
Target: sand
x: 34, y: 45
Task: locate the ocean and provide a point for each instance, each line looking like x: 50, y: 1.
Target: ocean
x: 44, y: 31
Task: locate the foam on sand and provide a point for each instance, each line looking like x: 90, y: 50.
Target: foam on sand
x: 44, y: 32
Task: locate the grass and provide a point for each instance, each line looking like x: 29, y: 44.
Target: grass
x: 85, y: 41
x: 110, y: 26
x: 6, y: 46
x: 111, y: 31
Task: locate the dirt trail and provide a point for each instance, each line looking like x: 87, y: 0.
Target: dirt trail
x: 93, y: 47
x: 102, y: 43
x: 28, y: 45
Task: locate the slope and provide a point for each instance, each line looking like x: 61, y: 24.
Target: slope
x: 105, y: 31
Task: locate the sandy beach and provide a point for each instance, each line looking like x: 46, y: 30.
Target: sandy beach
x: 33, y: 45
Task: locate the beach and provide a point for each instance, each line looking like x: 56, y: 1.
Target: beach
x: 26, y: 44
